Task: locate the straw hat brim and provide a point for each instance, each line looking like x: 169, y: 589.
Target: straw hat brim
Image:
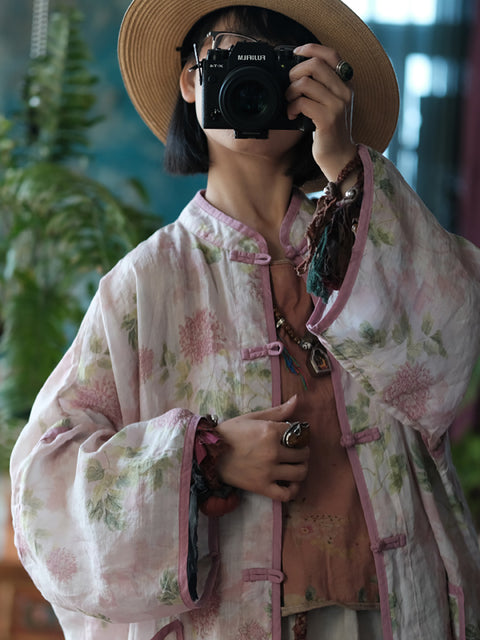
x: 152, y: 31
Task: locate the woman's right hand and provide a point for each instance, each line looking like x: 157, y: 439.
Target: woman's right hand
x: 256, y: 460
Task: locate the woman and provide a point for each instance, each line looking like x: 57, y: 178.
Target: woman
x: 360, y: 532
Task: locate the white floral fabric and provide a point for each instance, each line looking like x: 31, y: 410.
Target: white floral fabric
x: 184, y: 326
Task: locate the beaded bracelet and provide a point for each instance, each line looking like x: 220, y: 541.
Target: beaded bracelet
x: 215, y: 498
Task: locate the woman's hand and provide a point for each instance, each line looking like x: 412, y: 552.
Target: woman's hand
x: 318, y: 92
x: 256, y: 460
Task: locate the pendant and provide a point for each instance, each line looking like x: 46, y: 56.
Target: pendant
x: 317, y: 362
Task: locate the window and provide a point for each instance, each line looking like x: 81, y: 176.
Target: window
x: 426, y: 40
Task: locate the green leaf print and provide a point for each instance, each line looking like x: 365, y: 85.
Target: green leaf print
x: 96, y: 344
x: 212, y: 254
x: 168, y: 359
x: 398, y: 465
x: 131, y: 452
x: 95, y: 471
x: 105, y: 502
x: 427, y: 324
x: 105, y: 363
x: 113, y: 521
x: 249, y: 245
x: 170, y: 591
x: 367, y: 386
x: 95, y: 511
x: 358, y: 413
x: 369, y: 339
x: 130, y: 325
x: 165, y: 376
x: 97, y: 616
x: 30, y: 501
x: 350, y: 350
x: 393, y: 603
x: 422, y: 465
x: 153, y: 471
x: 184, y: 389
x: 372, y: 337
x: 454, y: 612
x: 257, y: 370
x: 107, y: 509
x: 435, y: 345
x: 386, y: 185
x: 379, y: 236
x: 457, y: 507
x: 218, y: 402
x: 402, y: 331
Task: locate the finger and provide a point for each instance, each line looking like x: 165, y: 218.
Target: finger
x: 315, y: 74
x: 324, y: 118
x: 319, y: 95
x: 288, y: 455
x: 311, y: 50
x: 283, y: 493
x: 276, y: 414
x: 312, y: 109
x: 291, y: 472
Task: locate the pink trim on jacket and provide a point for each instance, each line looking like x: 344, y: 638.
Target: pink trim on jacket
x: 176, y: 626
x: 200, y: 201
x: 458, y: 593
x: 276, y: 506
x: 183, y: 521
x: 365, y: 501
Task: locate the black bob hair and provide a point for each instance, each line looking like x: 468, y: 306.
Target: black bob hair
x: 186, y: 149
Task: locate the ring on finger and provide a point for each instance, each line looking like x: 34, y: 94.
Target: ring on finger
x: 344, y: 70
x: 296, y: 435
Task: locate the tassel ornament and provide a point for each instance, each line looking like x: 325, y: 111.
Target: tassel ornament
x: 331, y: 234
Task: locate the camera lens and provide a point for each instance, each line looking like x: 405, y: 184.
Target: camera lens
x: 249, y: 98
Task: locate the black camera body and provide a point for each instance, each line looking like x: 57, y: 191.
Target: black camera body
x: 244, y: 89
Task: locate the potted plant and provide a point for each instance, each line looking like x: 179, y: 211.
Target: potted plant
x: 59, y: 229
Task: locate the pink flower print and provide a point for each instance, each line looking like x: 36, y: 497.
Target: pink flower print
x: 145, y: 363
x: 251, y: 630
x: 101, y: 396
x: 409, y: 390
x: 62, y: 564
x: 201, y: 335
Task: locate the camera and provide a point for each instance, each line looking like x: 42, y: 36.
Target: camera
x: 244, y: 89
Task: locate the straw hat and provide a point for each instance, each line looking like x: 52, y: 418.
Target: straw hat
x: 152, y: 30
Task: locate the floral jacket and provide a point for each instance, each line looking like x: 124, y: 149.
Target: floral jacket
x: 184, y: 326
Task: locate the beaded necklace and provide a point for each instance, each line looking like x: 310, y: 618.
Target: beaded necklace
x: 318, y: 363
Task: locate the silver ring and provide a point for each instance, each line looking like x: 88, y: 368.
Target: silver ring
x: 344, y: 71
x: 296, y: 435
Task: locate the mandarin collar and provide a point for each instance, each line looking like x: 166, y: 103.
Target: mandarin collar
x: 216, y: 227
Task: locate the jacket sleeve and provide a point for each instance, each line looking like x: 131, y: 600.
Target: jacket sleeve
x: 100, y: 498
x: 405, y: 323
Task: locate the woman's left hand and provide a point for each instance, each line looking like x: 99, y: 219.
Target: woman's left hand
x: 319, y: 93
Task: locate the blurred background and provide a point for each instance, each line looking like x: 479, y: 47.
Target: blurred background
x: 428, y: 43
x: 81, y: 182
